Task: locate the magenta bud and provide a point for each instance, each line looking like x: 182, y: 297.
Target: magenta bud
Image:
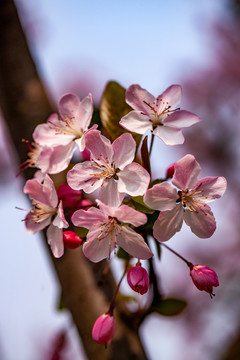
x: 204, y: 278
x: 170, y: 172
x: 71, y: 240
x: 138, y: 280
x: 70, y: 197
x: 104, y: 329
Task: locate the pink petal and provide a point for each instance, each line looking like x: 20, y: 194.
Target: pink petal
x: 169, y: 135
x: 137, y: 96
x: 133, y: 180
x: 212, y: 187
x: 60, y: 158
x: 127, y: 214
x: 97, y: 249
x: 84, y: 176
x: 70, y: 106
x: 60, y: 220
x: 133, y: 243
x: 55, y: 240
x: 186, y: 172
x: 172, y: 95
x: 109, y: 193
x: 33, y: 227
x: 46, y: 134
x: 136, y: 122
x: 44, y: 193
x: 99, y: 146
x: 124, y: 148
x: 181, y: 119
x: 168, y: 223
x: 202, y: 223
x: 88, y: 218
x: 161, y: 197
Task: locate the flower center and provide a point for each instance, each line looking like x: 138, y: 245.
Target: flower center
x: 159, y: 110
x: 41, y: 212
x: 113, y: 229
x: 106, y: 169
x: 66, y: 126
x: 192, y: 200
x: 32, y: 156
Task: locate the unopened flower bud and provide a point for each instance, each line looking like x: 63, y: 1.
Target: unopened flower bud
x: 104, y: 329
x: 71, y: 240
x: 138, y: 280
x: 204, y: 278
x: 170, y: 172
x: 70, y: 197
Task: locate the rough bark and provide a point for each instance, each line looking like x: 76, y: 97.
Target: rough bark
x: 24, y: 104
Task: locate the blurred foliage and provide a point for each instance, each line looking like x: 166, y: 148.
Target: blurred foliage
x: 169, y: 307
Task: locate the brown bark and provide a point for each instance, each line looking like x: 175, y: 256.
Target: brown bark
x: 24, y: 104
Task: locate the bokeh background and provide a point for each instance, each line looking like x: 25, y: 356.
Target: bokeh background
x: 79, y: 46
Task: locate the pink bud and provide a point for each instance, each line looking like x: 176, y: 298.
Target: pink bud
x: 70, y: 198
x: 71, y: 240
x: 104, y: 329
x: 170, y: 172
x: 138, y: 279
x: 204, y: 278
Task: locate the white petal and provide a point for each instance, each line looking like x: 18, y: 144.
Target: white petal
x: 133, y: 243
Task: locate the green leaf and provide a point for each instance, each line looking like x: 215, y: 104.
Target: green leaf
x: 112, y: 108
x: 60, y: 305
x: 140, y: 206
x: 126, y: 298
x: 169, y: 307
x: 158, y: 248
x: 81, y: 232
x: 122, y: 254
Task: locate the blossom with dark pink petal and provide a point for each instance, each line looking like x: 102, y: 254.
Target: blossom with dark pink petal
x: 108, y: 228
x: 204, y: 278
x: 47, y: 211
x: 188, y: 204
x: 161, y: 115
x: 138, y: 280
x: 104, y: 329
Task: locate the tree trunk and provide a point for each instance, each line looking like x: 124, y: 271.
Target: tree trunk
x: 24, y: 104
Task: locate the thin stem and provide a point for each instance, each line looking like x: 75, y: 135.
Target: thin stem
x: 151, y: 145
x: 112, y: 305
x: 189, y: 264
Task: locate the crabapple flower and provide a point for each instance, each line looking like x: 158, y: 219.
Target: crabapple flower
x: 188, y: 204
x: 71, y: 240
x: 161, y: 115
x: 104, y: 329
x: 204, y: 278
x: 68, y: 130
x: 107, y: 229
x: 111, y: 168
x: 47, y: 211
x: 138, y: 280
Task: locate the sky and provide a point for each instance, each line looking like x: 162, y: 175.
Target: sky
x: 153, y: 43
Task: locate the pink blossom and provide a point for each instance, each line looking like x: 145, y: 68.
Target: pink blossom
x: 107, y: 229
x: 188, y: 204
x: 204, y: 278
x: 47, y: 211
x: 111, y: 168
x: 104, y: 329
x: 138, y: 280
x: 61, y: 134
x: 71, y: 240
x: 161, y: 115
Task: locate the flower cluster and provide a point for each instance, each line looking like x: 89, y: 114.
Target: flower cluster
x: 109, y: 194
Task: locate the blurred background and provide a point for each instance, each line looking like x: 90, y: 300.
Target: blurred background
x: 78, y: 47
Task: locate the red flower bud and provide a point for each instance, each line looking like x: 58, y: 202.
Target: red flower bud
x: 138, y: 280
x: 170, y: 172
x: 204, y: 278
x: 71, y: 240
x: 104, y: 329
x: 70, y: 198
